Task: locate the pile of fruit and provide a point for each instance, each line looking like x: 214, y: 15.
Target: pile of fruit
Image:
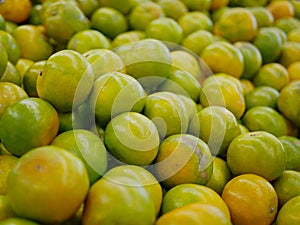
x: 140, y: 112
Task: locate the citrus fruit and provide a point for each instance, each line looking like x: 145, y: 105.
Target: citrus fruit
x: 173, y: 8
x: 183, y: 83
x: 217, y: 126
x: 115, y: 93
x: 288, y: 24
x: 168, y: 113
x: 63, y: 19
x: 15, y: 10
x: 106, y: 194
x: 197, y: 5
x: 194, y: 214
x: 33, y: 42
x: 109, y: 21
x: 132, y: 138
x: 143, y: 177
x: 222, y: 57
x: 104, y: 61
x: 268, y: 40
x: 30, y: 78
x: 11, y: 46
x: 66, y: 180
x: 294, y: 35
x: 290, y: 53
x: 220, y: 175
x: 12, y: 75
x: 262, y: 96
x: 187, y: 62
x: 81, y: 117
x: 264, y: 17
x: 66, y: 80
x: 281, y: 9
x: 288, y: 102
x: 288, y: 214
x: 243, y: 196
x: 22, y: 65
x: 142, y: 14
x: 247, y: 86
x: 147, y: 60
x: 5, y: 209
x: 291, y: 146
x: 252, y: 58
x: 236, y: 24
x: 165, y: 29
x: 193, y: 21
x: 88, y: 39
x: 257, y: 152
x: 2, y: 23
x: 190, y: 105
x: 183, y: 158
x: 35, y: 17
x: 247, y: 3
x: 7, y: 162
x: 218, y: 4
x: 3, y: 59
x: 28, y: 123
x: 88, y: 6
x: 128, y: 37
x: 184, y: 194
x: 88, y: 147
x: 197, y: 41
x: 18, y: 221
x: 294, y: 71
x: 274, y: 75
x: 10, y: 93
x: 266, y: 119
x: 287, y: 186
x: 125, y: 6
x: 223, y: 92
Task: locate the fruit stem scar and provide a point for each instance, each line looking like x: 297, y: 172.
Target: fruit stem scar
x: 41, y: 73
x: 38, y: 167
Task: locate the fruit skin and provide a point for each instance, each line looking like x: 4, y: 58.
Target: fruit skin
x: 264, y: 118
x: 217, y: 126
x: 115, y: 93
x: 3, y: 59
x: 291, y: 146
x: 251, y: 199
x: 7, y: 162
x: 63, y: 19
x: 168, y: 113
x: 17, y: 221
x: 257, y: 152
x: 183, y: 158
x: 289, y: 102
x: 194, y: 214
x: 33, y: 42
x: 236, y: 24
x: 59, y: 188
x: 131, y: 203
x: 66, y: 80
x: 184, y: 194
x: 287, y: 186
x: 10, y: 93
x: 147, y: 60
x: 88, y: 147
x: 289, y: 212
x: 144, y: 177
x: 132, y: 138
x: 228, y: 59
x: 28, y: 123
x: 15, y: 10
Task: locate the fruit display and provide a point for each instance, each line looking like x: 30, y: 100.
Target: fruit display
x: 149, y: 112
